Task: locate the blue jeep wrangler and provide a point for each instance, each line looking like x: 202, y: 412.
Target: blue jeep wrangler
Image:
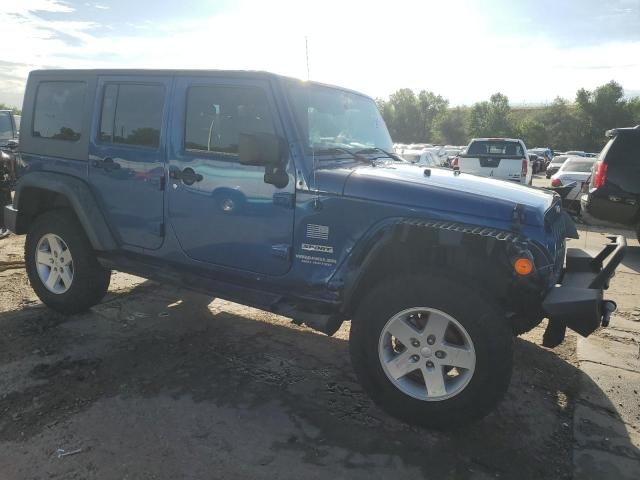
x: 283, y: 195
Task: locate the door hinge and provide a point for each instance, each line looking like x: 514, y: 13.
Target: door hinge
x: 163, y: 182
x: 162, y: 229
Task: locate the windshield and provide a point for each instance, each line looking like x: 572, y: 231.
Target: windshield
x: 559, y: 160
x: 332, y: 118
x: 6, y: 128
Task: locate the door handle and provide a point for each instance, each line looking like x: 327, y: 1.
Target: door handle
x: 107, y: 164
x: 188, y: 176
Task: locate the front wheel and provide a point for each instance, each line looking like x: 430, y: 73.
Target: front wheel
x: 427, y: 357
x: 61, y: 264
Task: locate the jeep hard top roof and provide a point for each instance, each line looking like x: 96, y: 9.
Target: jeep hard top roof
x: 615, y: 131
x: 247, y: 74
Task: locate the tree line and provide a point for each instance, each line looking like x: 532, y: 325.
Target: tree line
x: 563, y: 125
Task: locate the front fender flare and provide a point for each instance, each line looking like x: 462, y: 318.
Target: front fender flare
x: 352, y: 272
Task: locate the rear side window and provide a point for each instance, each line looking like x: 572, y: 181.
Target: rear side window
x: 624, y: 149
x: 58, y: 110
x: 132, y: 115
x: 217, y: 115
x: 6, y: 126
x: 496, y: 147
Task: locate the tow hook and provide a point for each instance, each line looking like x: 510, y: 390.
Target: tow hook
x: 608, y: 307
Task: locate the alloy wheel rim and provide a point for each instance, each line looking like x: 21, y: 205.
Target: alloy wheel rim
x: 427, y: 354
x: 54, y: 264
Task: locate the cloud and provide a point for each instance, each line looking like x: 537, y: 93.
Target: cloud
x: 457, y: 49
x: 99, y: 6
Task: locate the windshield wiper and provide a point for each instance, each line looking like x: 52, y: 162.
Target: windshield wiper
x: 338, y: 150
x: 392, y: 156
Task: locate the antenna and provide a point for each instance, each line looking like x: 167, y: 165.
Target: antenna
x: 306, y: 51
x: 313, y: 154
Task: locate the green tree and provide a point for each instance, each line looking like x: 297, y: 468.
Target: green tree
x: 450, y: 127
x: 492, y: 118
x: 430, y: 106
x: 600, y: 110
x: 15, y: 110
x: 405, y: 116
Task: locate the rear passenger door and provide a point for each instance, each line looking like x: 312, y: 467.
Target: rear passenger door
x: 223, y: 212
x: 127, y: 155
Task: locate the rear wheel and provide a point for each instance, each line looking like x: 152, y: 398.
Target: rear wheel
x: 427, y: 357
x: 61, y: 264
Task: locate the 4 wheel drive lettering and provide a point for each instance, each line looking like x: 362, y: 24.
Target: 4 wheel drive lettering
x: 409, y: 247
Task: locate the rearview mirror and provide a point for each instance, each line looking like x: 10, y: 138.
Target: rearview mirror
x: 261, y: 149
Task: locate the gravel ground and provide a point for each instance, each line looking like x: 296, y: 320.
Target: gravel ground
x: 157, y: 382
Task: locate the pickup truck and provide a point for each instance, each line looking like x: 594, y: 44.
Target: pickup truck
x: 284, y: 195
x: 501, y: 158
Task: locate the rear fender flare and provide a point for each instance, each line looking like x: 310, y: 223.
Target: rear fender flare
x: 78, y: 195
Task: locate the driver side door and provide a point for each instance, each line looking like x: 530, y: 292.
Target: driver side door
x: 222, y: 212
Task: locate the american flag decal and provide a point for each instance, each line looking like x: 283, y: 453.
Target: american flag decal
x: 319, y: 232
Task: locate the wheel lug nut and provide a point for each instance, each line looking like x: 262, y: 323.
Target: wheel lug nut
x: 415, y: 342
x: 429, y: 364
x: 440, y: 354
x: 431, y: 339
x: 415, y: 358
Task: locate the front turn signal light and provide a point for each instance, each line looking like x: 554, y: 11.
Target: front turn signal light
x: 523, y: 266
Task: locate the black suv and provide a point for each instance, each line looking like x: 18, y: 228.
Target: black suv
x: 614, y: 189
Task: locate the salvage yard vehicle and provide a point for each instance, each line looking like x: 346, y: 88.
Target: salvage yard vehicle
x: 614, y: 187
x: 576, y: 170
x: 424, y: 157
x: 555, y: 164
x: 501, y: 158
x: 8, y: 143
x: 282, y: 195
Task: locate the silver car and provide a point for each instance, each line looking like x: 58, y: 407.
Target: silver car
x: 574, y: 169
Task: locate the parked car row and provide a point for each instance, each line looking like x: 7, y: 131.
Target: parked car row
x: 427, y: 153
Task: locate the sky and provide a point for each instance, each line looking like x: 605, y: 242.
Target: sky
x: 464, y: 50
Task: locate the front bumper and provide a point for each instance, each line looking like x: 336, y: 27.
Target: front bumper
x: 577, y: 302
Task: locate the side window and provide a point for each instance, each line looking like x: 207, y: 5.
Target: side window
x: 625, y: 150
x: 132, y: 115
x: 6, y: 126
x: 217, y: 115
x: 58, y: 110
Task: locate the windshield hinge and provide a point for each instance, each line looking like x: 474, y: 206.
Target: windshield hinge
x: 517, y: 217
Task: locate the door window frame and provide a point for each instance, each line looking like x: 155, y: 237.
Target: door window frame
x: 102, y: 90
x: 226, y: 83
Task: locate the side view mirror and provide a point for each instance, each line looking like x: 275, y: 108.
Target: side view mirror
x: 261, y: 149
x: 12, y: 144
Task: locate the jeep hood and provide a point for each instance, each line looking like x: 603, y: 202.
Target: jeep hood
x: 441, y: 192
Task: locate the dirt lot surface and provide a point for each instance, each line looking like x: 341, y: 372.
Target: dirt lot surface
x: 160, y: 383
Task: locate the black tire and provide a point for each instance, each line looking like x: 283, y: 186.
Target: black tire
x: 90, y: 280
x: 487, y: 326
